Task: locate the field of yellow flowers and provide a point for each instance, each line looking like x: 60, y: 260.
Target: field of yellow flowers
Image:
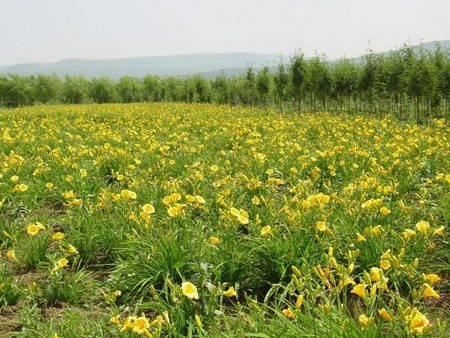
x: 175, y: 220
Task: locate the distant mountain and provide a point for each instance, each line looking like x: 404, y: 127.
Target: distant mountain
x: 206, y: 64
x: 174, y: 65
x: 429, y: 46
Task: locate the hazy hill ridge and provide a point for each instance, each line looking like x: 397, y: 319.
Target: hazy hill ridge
x: 173, y: 65
x: 207, y: 64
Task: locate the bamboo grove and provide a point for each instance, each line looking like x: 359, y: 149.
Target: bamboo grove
x: 411, y: 83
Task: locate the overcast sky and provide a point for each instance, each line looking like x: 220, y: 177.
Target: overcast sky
x: 51, y: 30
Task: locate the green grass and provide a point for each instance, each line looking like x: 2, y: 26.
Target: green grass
x: 295, y: 203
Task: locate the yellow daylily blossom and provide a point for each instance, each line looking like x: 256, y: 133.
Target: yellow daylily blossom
x: 115, y: 320
x: 346, y: 281
x: 384, y: 314
x: 364, y: 321
x: 360, y: 290
x: 431, y: 278
x: 417, y: 322
x: 60, y: 264
x: 266, y: 231
x: 189, y: 290
x: 288, y: 313
x: 422, y: 226
x: 230, y: 292
x: 11, y: 254
x: 148, y: 208
x: 34, y: 228
x: 408, y: 234
x: 385, y: 211
x: 299, y: 301
x: 71, y: 249
x: 439, y: 231
x: 140, y: 324
x: 213, y: 240
x: 57, y: 236
x: 175, y: 210
x: 428, y: 291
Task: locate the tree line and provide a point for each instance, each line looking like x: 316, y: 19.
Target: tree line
x: 409, y: 82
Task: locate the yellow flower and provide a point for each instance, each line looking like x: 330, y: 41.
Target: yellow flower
x: 198, y: 321
x: 428, y: 291
x: 175, y: 197
x: 60, y: 264
x: 34, y: 228
x: 140, y: 324
x: 375, y: 274
x: 288, y: 313
x: 321, y: 226
x: 360, y: 238
x: 128, y: 324
x: 364, y: 321
x: 11, y: 254
x: 431, y: 278
x: 14, y: 178
x: 417, y: 322
x: 422, y: 226
x: 230, y: 292
x: 299, y: 301
x: 55, y: 335
x: 57, y: 236
x: 199, y: 199
x: 296, y: 271
x: 322, y: 198
x: 189, y: 290
x: 77, y: 202
x: 68, y: 195
x: 190, y: 198
x: 157, y: 321
x: 346, y: 281
x: 234, y: 211
x: 385, y: 264
x: 266, y: 231
x: 384, y: 314
x: 21, y: 187
x: 326, y: 308
x: 408, y: 233
x: 376, y: 231
x: 116, y: 293
x: 439, y: 231
x: 214, y: 240
x: 148, y: 208
x: 242, y: 219
x: 360, y: 290
x: 128, y: 195
x: 72, y: 249
x: 115, y: 320
x: 241, y: 215
x: 214, y: 168
x: 373, y: 290
x: 175, y: 210
x: 385, y: 211
x: 256, y: 200
x: 49, y: 185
